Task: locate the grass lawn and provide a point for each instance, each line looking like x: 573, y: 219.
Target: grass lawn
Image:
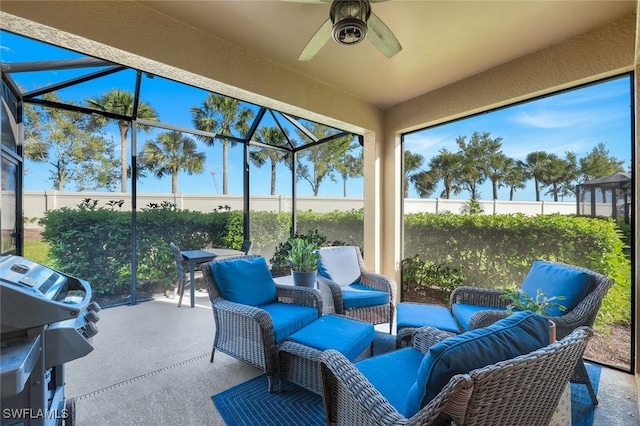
x: 37, y: 250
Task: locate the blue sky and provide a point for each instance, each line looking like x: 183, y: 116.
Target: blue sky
x: 575, y: 121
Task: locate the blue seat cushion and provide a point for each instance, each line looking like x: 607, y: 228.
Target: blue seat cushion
x: 393, y: 374
x: 420, y: 315
x: 288, y: 318
x: 557, y: 280
x: 347, y: 336
x: 518, y: 334
x: 246, y: 281
x: 361, y: 296
x: 463, y: 313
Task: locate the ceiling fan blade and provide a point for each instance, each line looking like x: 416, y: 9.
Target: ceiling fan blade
x: 319, y: 39
x: 382, y: 37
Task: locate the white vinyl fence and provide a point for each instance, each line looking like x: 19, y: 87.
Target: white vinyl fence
x: 37, y: 203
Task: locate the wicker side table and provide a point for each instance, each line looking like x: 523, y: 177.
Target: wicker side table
x: 299, y: 354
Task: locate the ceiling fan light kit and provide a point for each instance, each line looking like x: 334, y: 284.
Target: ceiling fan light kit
x: 349, y: 19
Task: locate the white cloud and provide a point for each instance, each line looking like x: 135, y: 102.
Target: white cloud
x: 551, y: 119
x: 428, y: 145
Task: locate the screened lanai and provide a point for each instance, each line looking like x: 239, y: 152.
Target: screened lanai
x: 237, y: 169
x: 496, y: 83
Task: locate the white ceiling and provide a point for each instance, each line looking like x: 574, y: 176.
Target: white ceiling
x: 443, y: 41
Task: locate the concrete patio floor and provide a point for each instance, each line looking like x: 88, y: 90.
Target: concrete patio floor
x: 150, y: 366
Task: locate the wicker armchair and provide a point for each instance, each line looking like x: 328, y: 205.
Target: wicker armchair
x: 247, y: 332
x: 584, y: 314
x: 491, y: 395
x: 378, y: 313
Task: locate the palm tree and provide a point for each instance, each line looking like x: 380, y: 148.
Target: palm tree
x: 121, y: 102
x: 171, y: 153
x: 446, y: 166
x: 270, y: 136
x: 515, y: 177
x: 535, y: 166
x: 496, y: 169
x: 221, y: 115
x: 411, y: 164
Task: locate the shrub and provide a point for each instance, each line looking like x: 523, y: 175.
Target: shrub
x: 280, y: 262
x: 496, y: 251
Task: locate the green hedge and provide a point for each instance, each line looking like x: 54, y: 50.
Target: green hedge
x: 496, y: 251
x: 94, y: 243
x: 481, y: 250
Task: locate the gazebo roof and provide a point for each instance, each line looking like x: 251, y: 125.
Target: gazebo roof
x: 616, y: 180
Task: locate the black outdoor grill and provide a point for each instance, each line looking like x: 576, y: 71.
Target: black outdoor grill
x: 46, y: 319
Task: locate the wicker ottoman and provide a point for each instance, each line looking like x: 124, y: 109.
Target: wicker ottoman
x: 411, y: 316
x: 298, y: 355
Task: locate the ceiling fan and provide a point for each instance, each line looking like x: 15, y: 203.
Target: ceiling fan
x: 350, y: 21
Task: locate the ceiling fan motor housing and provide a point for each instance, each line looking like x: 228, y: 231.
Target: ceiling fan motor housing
x: 349, y: 18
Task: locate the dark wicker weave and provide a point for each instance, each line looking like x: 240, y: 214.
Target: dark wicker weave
x: 521, y: 391
x: 246, y: 332
x: 379, y: 314
x: 584, y: 314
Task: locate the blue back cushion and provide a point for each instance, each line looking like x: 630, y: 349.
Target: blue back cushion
x: 518, y: 334
x: 245, y: 280
x: 557, y: 280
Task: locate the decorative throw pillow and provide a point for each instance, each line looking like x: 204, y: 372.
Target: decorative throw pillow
x: 556, y: 280
x: 518, y: 334
x: 340, y: 264
x: 245, y: 280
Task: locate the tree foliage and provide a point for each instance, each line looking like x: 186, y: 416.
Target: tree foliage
x: 121, y: 102
x: 480, y: 158
x: 79, y: 157
x: 259, y: 156
x: 351, y: 166
x: 477, y: 154
x: 224, y: 116
x: 319, y: 162
x: 171, y: 153
x: 599, y: 163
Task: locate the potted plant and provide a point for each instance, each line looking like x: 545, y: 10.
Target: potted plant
x: 303, y: 257
x: 540, y: 305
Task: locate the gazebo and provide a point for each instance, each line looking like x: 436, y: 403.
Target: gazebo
x: 607, y: 196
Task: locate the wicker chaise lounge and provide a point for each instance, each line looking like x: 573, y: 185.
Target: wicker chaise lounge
x: 252, y: 314
x: 524, y: 390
